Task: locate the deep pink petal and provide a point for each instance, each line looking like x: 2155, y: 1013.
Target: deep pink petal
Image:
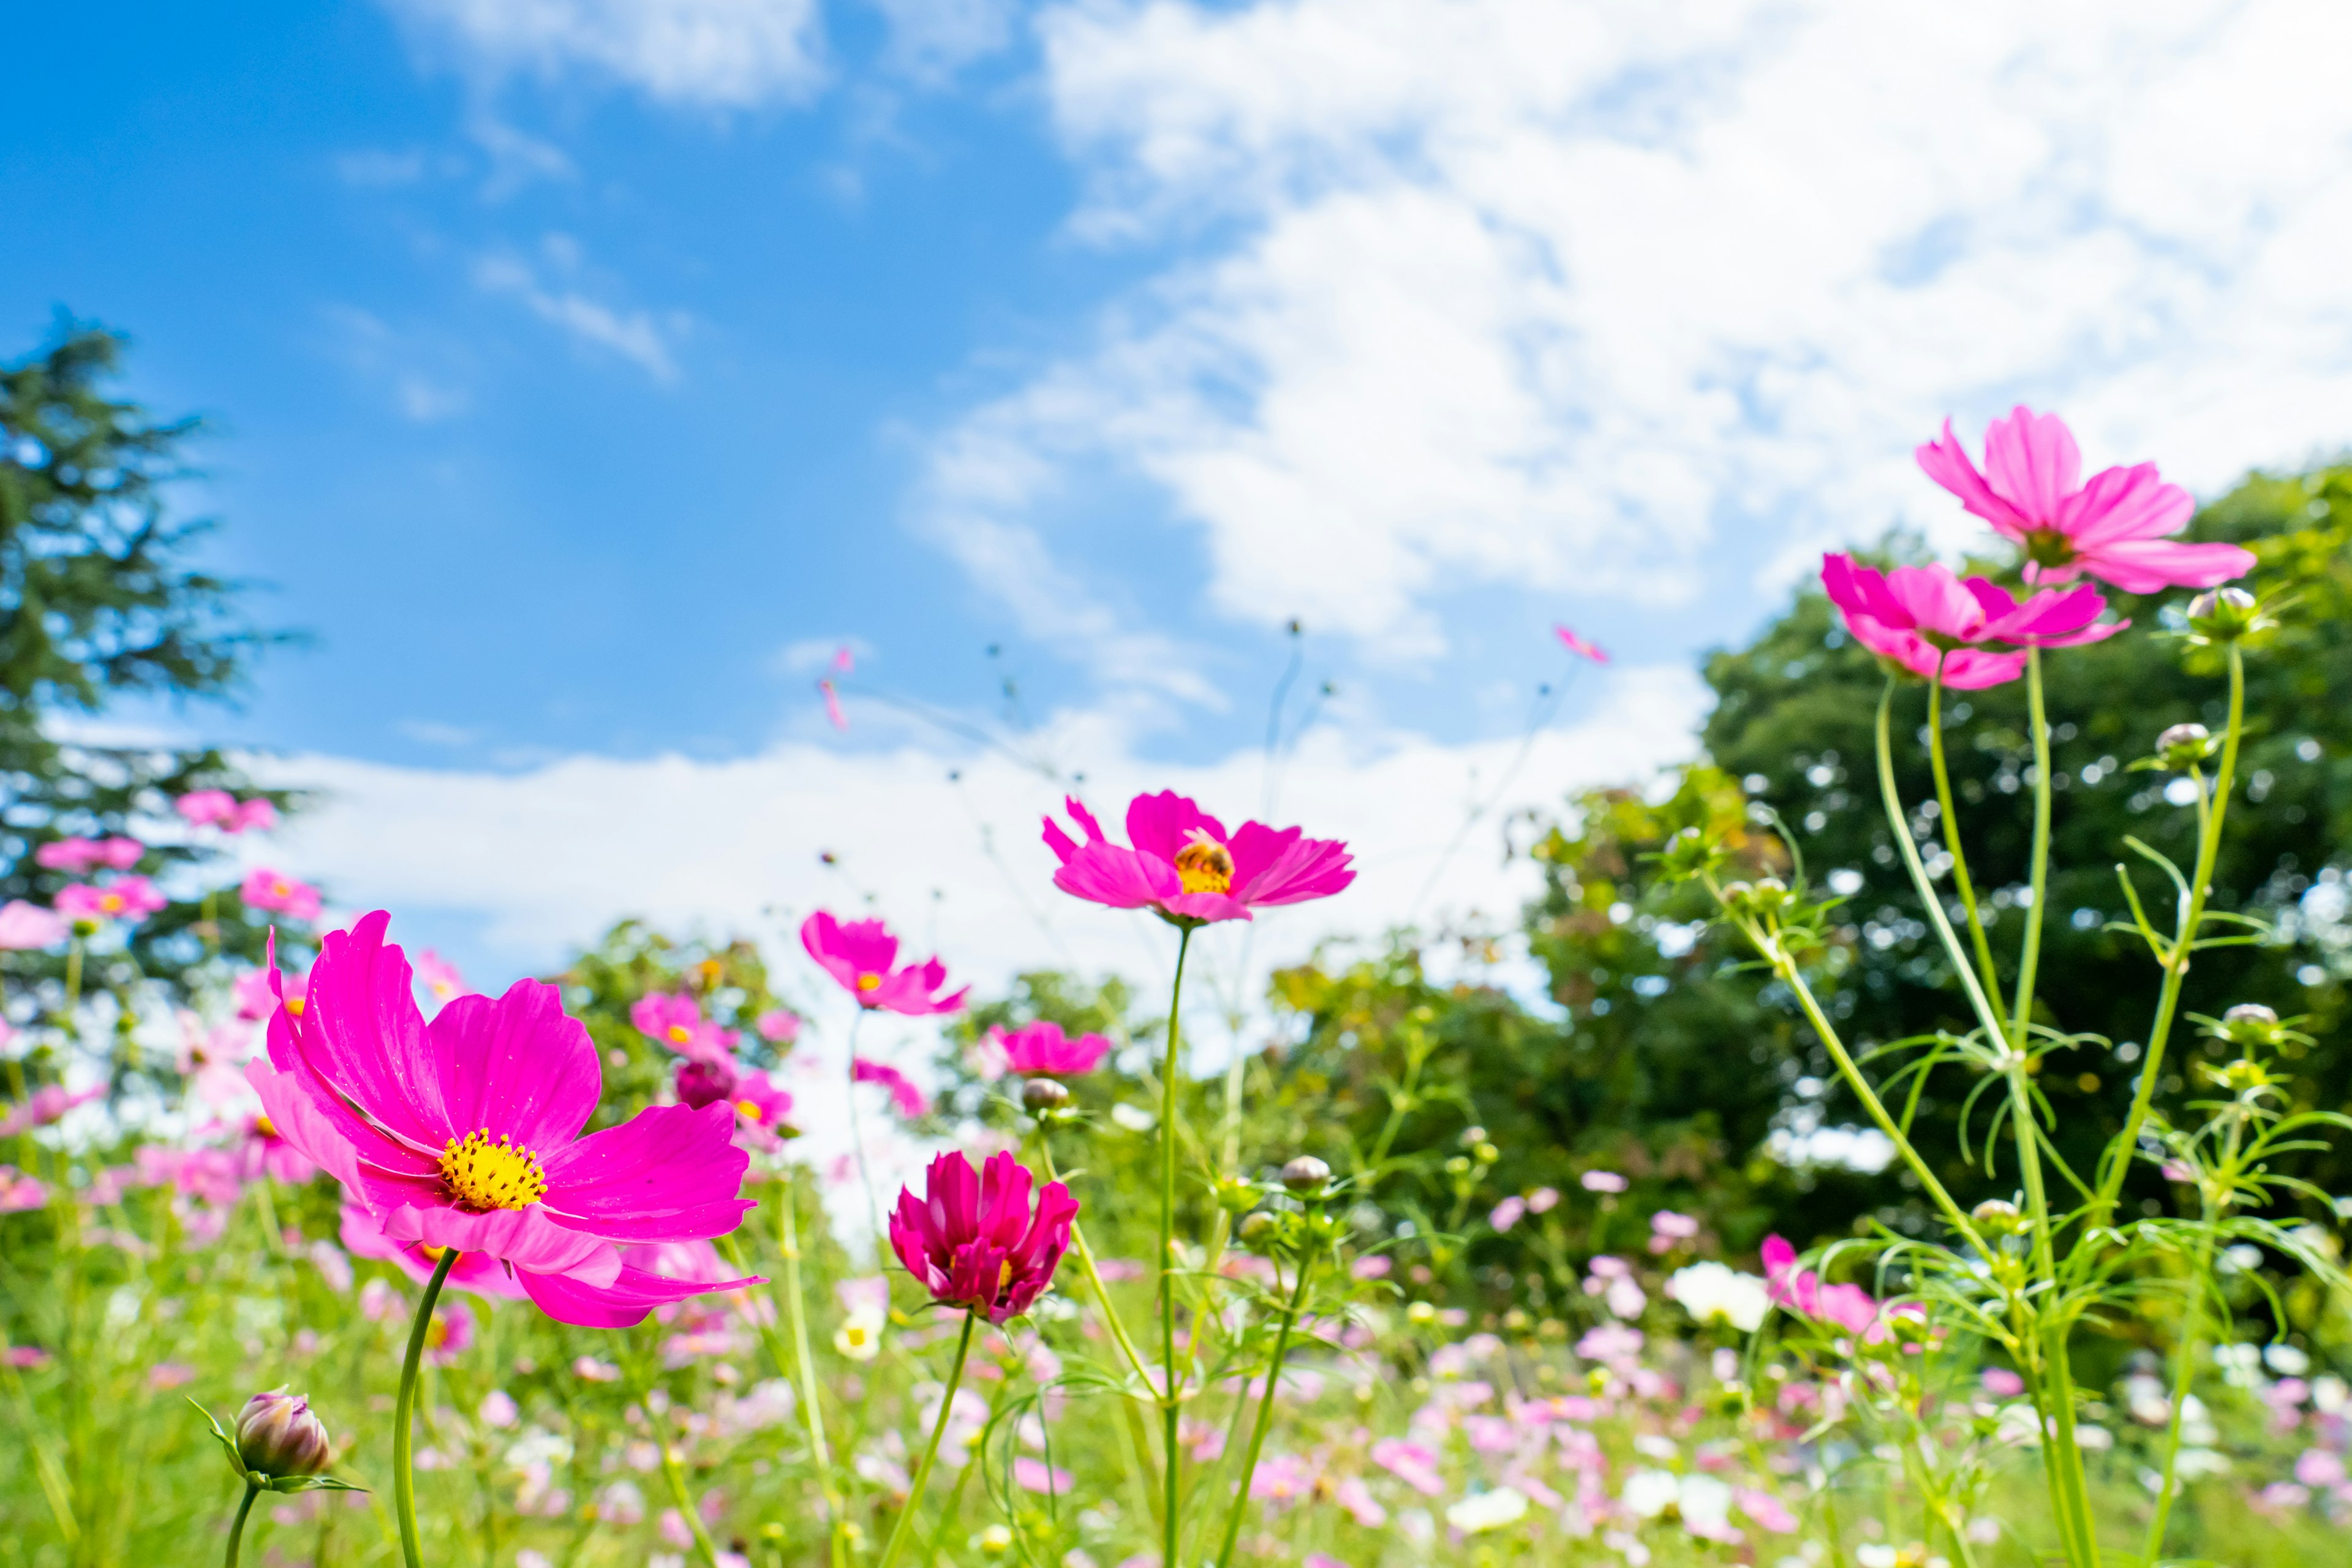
x: 517, y: 1067
x: 668, y: 1173
x: 1935, y: 601
x: 2150, y: 565
x: 526, y: 1238
x: 1159, y: 824
x: 1286, y: 867
x: 1210, y: 907
x: 362, y: 1032
x: 1947, y: 463
x: 2048, y: 615
x: 1973, y: 669
x: 1107, y: 874
x: 1059, y: 840
x: 1992, y: 599
x: 2125, y: 503
x: 620, y: 1304
x: 2031, y: 462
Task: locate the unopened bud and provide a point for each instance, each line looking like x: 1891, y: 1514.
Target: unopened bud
x: 1255, y: 1229
x: 1306, y: 1175
x: 1235, y: 1195
x: 1043, y: 1094
x: 276, y: 1436
x: 2224, y: 615
x: 2183, y: 745
x: 2250, y: 1013
x: 1472, y: 1135
x: 1486, y: 1153
x: 995, y: 1541
x: 1998, y: 1216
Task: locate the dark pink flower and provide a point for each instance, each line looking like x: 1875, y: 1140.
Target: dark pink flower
x: 910, y: 1101
x: 1850, y: 1307
x: 1579, y: 645
x: 82, y: 855
x: 1042, y: 1051
x: 860, y: 953
x: 1185, y: 865
x: 753, y: 1096
x: 2113, y: 528
x: 1927, y: 619
x: 25, y: 926
x: 974, y: 1240
x: 279, y: 893
x: 364, y: 1237
x: 466, y: 1132
x: 124, y: 899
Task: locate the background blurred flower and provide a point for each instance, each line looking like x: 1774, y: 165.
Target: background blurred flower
x: 1042, y: 1049
x: 25, y: 927
x: 1182, y: 863
x: 859, y: 954
x: 910, y: 1101
x: 124, y: 899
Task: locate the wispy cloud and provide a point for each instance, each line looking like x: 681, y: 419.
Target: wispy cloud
x: 714, y: 54
x: 638, y: 336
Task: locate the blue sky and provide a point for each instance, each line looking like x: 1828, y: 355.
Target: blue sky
x: 585, y: 370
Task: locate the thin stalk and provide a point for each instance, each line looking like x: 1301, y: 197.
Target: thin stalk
x: 788, y: 1242
x: 1264, y: 1408
x: 1094, y: 1277
x: 2029, y: 958
x: 2183, y: 1370
x: 404, y: 1416
x: 930, y: 1448
x: 675, y: 1473
x: 236, y: 1530
x: 1172, y: 1523
x: 2176, y: 965
x: 1961, y: 883
x: 857, y: 1139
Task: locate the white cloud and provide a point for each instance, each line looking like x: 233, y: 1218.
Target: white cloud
x: 638, y: 336
x: 1474, y: 291
x: 932, y: 40
x: 720, y: 53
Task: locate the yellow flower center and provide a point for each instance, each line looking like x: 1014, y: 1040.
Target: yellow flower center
x: 294, y: 1005
x: 869, y: 983
x: 748, y: 1108
x: 432, y: 1253
x: 679, y: 1035
x: 282, y: 888
x: 1005, y: 1274
x: 483, y: 1175
x: 267, y: 1128
x: 437, y: 1333
x: 111, y: 903
x: 1204, y: 865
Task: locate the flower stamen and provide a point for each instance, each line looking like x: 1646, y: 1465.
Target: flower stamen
x: 483, y: 1175
x: 1204, y: 865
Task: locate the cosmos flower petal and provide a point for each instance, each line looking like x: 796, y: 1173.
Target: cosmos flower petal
x: 518, y: 1065
x: 1159, y: 824
x: 620, y: 1302
x: 668, y: 1173
x: 527, y: 1237
x: 363, y: 1032
x: 1945, y: 461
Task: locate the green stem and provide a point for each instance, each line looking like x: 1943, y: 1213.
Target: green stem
x: 404, y: 1416
x: 2183, y: 1371
x: 236, y: 1530
x: 2176, y: 965
x: 1094, y: 1277
x: 1265, y: 1406
x: 675, y: 1473
x: 1170, y: 1070
x: 2028, y: 960
x: 930, y: 1448
x: 1961, y: 883
x: 812, y: 1408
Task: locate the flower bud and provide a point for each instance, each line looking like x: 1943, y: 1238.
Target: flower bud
x: 1485, y: 1154
x: 995, y: 1541
x: 1235, y: 1195
x: 1043, y: 1094
x: 1307, y: 1176
x: 1472, y: 1136
x: 2250, y: 1013
x: 1256, y: 1228
x: 1998, y: 1216
x: 2224, y: 615
x: 2184, y: 745
x: 276, y: 1436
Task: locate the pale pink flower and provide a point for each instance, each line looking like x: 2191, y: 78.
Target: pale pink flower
x: 1034, y: 1476
x: 124, y: 899
x: 833, y: 704
x: 1971, y: 633
x: 778, y: 1026
x: 166, y: 1376
x: 19, y: 1192
x: 280, y: 894
x: 911, y: 1102
x: 2116, y: 528
x: 2002, y: 1382
x: 1410, y: 1462
x: 1042, y: 1051
x: 80, y: 855
x: 439, y: 977
x: 1766, y: 1511
x: 1543, y: 1200
x: 1579, y: 645
x: 1507, y: 1212
x: 44, y: 1105
x: 1602, y: 1182
x: 25, y: 927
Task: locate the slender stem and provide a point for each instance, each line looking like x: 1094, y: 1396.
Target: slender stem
x: 1961, y: 882
x: 931, y: 1448
x: 2028, y: 960
x: 404, y: 1416
x: 2184, y: 1368
x: 857, y: 1139
x: 811, y: 1408
x: 1265, y: 1407
x: 236, y: 1530
x: 2176, y: 965
x: 1170, y: 1070
x: 1094, y: 1277
x: 675, y: 1473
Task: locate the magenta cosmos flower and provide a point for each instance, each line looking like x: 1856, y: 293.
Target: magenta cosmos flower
x: 79, y: 854
x: 859, y: 954
x: 676, y: 1021
x: 1850, y: 1307
x: 974, y: 1240
x: 1042, y: 1051
x: 466, y: 1132
x: 1925, y: 619
x: 124, y: 899
x: 1187, y: 868
x: 910, y: 1101
x: 2114, y: 528
x: 279, y: 893
x: 218, y: 808
x: 364, y: 1237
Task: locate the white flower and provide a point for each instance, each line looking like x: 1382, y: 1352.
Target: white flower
x: 1134, y: 1117
x: 1706, y: 1503
x: 1650, y: 1493
x: 1483, y: 1511
x: 2020, y: 1426
x: 1711, y: 1291
x: 2286, y: 1360
x: 860, y: 1335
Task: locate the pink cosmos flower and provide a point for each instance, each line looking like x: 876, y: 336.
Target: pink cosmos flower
x: 778, y: 1026
x: 124, y: 899
x: 466, y: 1132
x: 833, y: 704
x: 677, y: 1021
x: 256, y: 995
x: 260, y: 1151
x: 2113, y: 528
x: 1042, y: 1051
x: 1185, y: 867
x: 1579, y: 645
x: 279, y: 893
x: 1925, y: 619
x: 439, y: 977
x: 362, y: 1237
x: 974, y: 1240
x: 910, y: 1101
x: 754, y: 1097
x: 1602, y: 1182
x: 80, y: 855
x: 1035, y: 1476
x: 1850, y: 1307
x: 450, y: 1333
x: 859, y: 954
x: 218, y: 808
x: 19, y: 1192
x: 43, y: 1106
x: 25, y: 927
x: 1410, y: 1462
